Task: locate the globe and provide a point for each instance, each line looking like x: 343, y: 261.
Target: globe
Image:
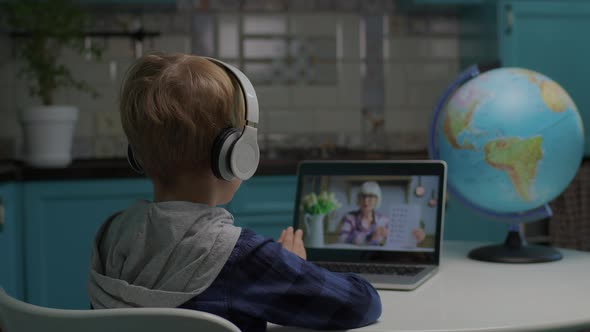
x: 512, y: 139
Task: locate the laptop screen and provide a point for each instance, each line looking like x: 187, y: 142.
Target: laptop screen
x: 369, y: 211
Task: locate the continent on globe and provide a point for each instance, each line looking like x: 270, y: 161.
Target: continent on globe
x: 518, y: 157
x: 455, y: 121
x: 556, y: 99
x: 553, y: 95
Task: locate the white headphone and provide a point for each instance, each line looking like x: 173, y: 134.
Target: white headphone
x: 235, y: 152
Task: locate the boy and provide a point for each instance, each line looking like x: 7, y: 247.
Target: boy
x: 181, y: 250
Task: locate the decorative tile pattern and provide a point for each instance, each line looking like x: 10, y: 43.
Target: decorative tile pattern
x: 284, y: 50
x: 83, y: 147
x: 304, y: 57
x: 7, y: 147
x: 221, y: 4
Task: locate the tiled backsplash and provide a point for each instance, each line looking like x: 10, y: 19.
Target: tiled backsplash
x: 319, y: 101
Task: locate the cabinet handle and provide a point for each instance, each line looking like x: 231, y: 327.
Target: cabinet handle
x: 509, y: 19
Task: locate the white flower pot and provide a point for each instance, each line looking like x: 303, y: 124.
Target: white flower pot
x: 48, y: 133
x: 314, y: 225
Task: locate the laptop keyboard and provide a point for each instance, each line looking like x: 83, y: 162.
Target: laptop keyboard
x: 372, y: 268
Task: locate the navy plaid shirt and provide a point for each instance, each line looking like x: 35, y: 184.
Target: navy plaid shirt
x: 262, y: 282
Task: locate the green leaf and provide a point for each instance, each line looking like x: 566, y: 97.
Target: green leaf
x: 50, y: 26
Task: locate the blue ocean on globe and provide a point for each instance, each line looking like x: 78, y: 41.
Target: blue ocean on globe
x: 512, y: 139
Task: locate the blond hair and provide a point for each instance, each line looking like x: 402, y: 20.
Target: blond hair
x: 172, y: 108
x: 370, y: 188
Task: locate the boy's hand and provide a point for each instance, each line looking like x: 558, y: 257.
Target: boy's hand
x: 293, y: 242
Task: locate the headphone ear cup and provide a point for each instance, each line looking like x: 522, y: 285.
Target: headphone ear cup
x: 221, y: 153
x: 245, y: 154
x: 133, y: 163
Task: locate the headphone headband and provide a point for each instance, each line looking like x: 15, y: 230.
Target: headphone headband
x: 247, y: 89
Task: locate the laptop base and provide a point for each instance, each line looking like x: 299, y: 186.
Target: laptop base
x: 386, y: 282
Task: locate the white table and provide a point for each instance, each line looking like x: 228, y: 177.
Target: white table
x: 468, y: 295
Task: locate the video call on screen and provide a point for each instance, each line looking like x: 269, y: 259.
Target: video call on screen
x: 390, y: 213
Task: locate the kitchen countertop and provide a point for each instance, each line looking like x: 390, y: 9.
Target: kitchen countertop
x: 277, y: 163
x: 9, y: 170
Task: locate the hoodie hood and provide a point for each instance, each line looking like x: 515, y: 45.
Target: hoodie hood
x: 159, y: 254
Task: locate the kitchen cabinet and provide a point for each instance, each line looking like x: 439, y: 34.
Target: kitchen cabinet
x: 11, y: 240
x: 550, y: 37
x: 49, y: 227
x: 61, y: 218
x: 464, y: 224
x: 265, y: 204
x: 547, y: 36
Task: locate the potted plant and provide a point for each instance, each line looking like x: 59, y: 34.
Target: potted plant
x: 43, y: 29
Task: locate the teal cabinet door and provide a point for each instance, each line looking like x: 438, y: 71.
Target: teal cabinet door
x: 551, y: 37
x: 265, y: 204
x: 11, y: 240
x: 463, y: 224
x: 61, y: 220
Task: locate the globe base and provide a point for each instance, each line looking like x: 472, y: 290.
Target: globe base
x: 515, y: 250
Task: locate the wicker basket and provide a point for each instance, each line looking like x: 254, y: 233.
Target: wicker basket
x: 570, y: 225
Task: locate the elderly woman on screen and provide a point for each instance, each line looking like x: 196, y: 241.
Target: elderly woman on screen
x: 367, y: 225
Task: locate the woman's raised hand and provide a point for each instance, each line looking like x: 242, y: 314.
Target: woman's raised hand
x: 419, y: 234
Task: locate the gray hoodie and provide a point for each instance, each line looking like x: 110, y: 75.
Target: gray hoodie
x: 159, y: 254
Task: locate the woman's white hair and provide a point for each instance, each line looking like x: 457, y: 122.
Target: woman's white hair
x: 371, y: 188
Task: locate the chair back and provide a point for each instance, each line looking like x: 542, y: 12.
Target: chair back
x: 18, y: 316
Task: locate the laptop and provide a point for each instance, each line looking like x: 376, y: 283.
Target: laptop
x: 381, y: 219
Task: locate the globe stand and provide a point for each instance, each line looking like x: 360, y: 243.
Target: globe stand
x: 515, y: 250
